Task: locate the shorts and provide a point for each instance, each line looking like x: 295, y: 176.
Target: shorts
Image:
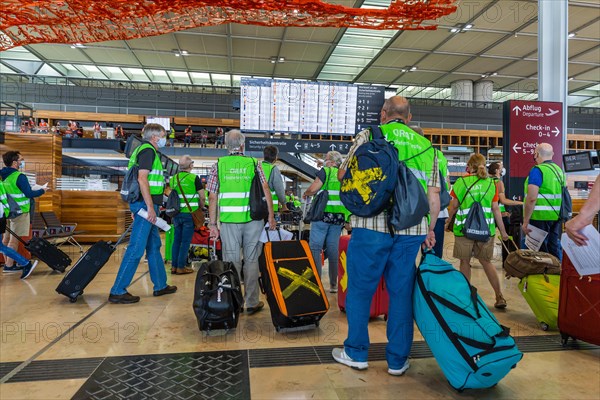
x: 20, y: 225
x: 465, y: 248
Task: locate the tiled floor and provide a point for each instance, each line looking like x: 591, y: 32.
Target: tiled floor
x: 38, y: 324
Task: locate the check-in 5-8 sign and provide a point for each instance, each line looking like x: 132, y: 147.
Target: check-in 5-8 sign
x: 530, y: 123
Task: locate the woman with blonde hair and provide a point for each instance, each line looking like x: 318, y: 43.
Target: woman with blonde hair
x: 477, y: 187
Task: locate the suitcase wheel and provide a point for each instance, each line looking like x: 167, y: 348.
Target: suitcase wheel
x: 277, y: 328
x: 544, y: 326
x: 565, y: 339
x: 317, y: 323
x: 72, y: 299
x: 385, y: 316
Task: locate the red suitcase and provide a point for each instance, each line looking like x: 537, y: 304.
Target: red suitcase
x: 381, y: 300
x: 579, y: 305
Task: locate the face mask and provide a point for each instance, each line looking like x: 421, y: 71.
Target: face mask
x: 161, y: 142
x: 22, y: 165
x: 503, y: 172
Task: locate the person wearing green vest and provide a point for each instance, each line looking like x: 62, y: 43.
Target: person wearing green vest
x: 477, y: 186
x: 274, y: 178
x: 325, y: 234
x: 229, y: 184
x: 172, y: 137
x: 17, y: 186
x: 144, y: 234
x: 373, y: 252
x: 184, y: 182
x: 26, y: 265
x: 496, y: 171
x: 543, y: 199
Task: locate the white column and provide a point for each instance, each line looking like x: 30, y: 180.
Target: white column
x: 553, y: 53
x: 484, y: 92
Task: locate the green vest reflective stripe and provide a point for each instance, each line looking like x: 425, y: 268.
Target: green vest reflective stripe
x: 267, y: 168
x: 3, y: 201
x: 549, y: 200
x: 235, y: 178
x: 10, y: 185
x: 409, y: 143
x: 500, y: 205
x: 156, y: 178
x: 188, y: 185
x: 332, y: 185
x: 483, y: 191
x: 172, y: 134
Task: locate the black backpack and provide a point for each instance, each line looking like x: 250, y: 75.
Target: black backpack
x: 173, y: 206
x: 130, y: 190
x: 409, y: 203
x: 369, y: 182
x: 476, y: 227
x: 566, y: 205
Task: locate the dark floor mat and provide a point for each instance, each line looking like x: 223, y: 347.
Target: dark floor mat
x: 212, y: 375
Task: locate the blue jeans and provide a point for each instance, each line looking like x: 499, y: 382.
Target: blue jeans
x: 184, y: 230
x: 372, y: 254
x: 144, y: 237
x: 439, y: 231
x: 326, y: 236
x: 552, y: 242
x: 11, y: 253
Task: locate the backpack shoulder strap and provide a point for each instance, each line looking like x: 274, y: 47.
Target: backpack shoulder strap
x: 468, y: 191
x: 419, y: 153
x: 376, y: 132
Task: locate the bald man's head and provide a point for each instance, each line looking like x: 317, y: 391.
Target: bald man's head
x: 544, y: 152
x: 396, y: 107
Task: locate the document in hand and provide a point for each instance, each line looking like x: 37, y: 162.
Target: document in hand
x: 584, y: 258
x: 535, y: 238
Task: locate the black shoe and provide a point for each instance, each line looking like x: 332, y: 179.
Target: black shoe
x: 257, y: 308
x: 167, y: 290
x: 126, y: 298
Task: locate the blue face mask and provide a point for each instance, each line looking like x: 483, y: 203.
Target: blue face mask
x: 22, y: 165
x: 162, y: 142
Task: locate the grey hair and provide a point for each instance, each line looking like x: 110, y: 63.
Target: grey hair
x: 334, y: 156
x: 234, y: 140
x: 185, y: 163
x: 150, y: 130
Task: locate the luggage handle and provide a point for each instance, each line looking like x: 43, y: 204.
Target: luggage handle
x: 17, y: 236
x: 278, y: 233
x: 114, y: 246
x: 214, y: 253
x: 505, y: 246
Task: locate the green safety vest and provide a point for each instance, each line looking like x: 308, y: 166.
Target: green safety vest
x: 549, y: 200
x: 332, y: 185
x: 188, y: 185
x: 235, y: 178
x: 485, y: 187
x: 268, y: 167
x: 156, y: 178
x: 409, y: 143
x: 4, y: 210
x: 172, y: 134
x: 502, y: 207
x: 10, y: 185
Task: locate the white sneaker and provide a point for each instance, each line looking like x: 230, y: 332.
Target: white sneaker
x: 401, y: 371
x: 340, y: 356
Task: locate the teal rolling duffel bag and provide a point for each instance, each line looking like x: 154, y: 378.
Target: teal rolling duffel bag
x: 473, y: 350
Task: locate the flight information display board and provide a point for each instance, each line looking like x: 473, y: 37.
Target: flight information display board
x: 327, y: 108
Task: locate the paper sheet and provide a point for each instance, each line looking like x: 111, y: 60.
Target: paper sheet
x: 535, y: 238
x: 274, y: 236
x: 38, y: 187
x: 584, y: 258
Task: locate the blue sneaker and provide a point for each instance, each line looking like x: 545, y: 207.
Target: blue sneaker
x: 14, y: 268
x: 28, y: 269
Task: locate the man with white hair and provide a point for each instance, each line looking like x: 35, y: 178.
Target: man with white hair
x: 543, y: 199
x: 144, y: 233
x: 229, y: 185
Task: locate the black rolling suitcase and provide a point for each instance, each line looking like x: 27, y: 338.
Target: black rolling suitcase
x: 290, y: 281
x: 48, y: 253
x: 87, y: 267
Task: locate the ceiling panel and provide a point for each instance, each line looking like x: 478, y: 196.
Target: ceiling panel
x: 107, y: 56
x: 215, y: 64
x: 424, y: 40
x: 521, y: 68
x: 312, y: 34
x: 296, y: 70
x: 575, y: 69
x: 591, y: 57
x: 213, y: 29
x: 162, y: 42
x: 253, y: 31
x: 418, y: 78
x: 578, y: 46
x: 591, y: 32
x: 199, y: 63
x: 591, y: 75
x: 59, y: 52
x: 506, y: 15
x: 304, y: 52
x: 160, y: 60
x: 470, y: 42
x: 446, y: 80
x: 484, y: 65
x: 441, y: 62
x: 397, y: 59
x: 380, y: 75
x: 252, y: 67
x: 254, y: 48
x: 203, y: 44
x: 117, y: 44
x: 515, y: 46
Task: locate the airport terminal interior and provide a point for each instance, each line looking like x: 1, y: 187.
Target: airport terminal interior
x: 493, y: 77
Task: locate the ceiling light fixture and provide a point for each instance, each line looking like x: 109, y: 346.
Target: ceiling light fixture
x: 413, y: 68
x: 179, y: 53
x: 572, y: 35
x: 276, y: 60
x: 77, y: 46
x: 461, y: 28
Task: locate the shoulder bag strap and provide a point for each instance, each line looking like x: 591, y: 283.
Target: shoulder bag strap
x: 187, y: 203
x: 468, y: 192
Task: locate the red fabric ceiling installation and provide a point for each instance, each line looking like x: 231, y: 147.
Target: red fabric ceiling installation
x: 85, y: 21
